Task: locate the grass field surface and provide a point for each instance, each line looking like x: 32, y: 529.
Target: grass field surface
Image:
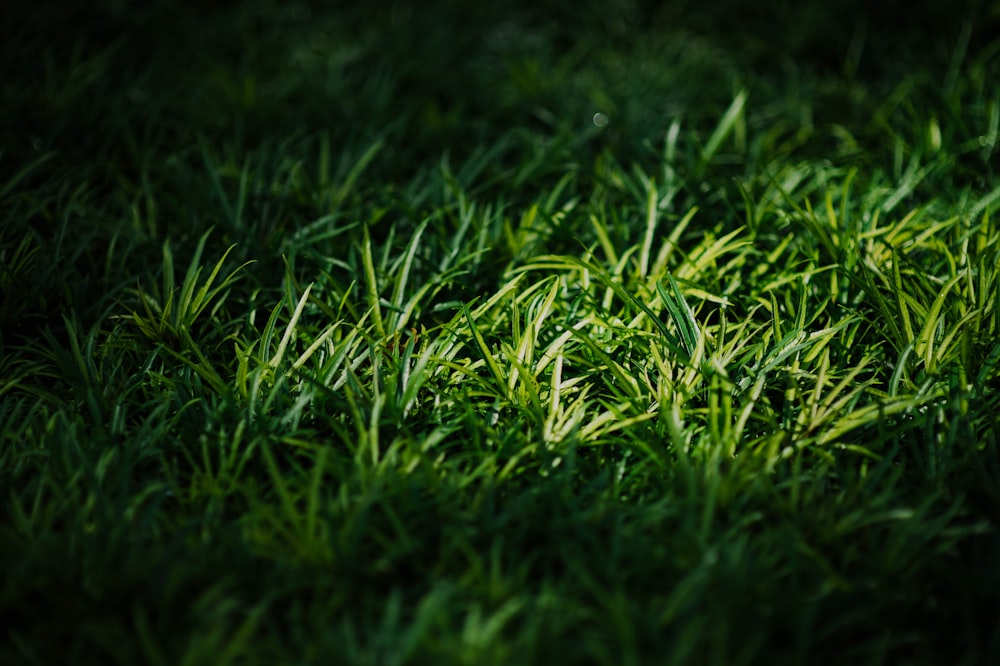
x: 436, y: 333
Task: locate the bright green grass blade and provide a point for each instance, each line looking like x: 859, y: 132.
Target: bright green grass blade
x: 672, y: 243
x: 899, y: 293
x: 206, y: 293
x: 924, y: 345
x: 681, y: 314
x: 484, y: 352
x: 652, y: 208
x: 371, y: 284
x: 290, y: 328
x: 183, y: 309
x: 399, y: 292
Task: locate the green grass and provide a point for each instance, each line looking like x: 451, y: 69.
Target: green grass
x: 350, y: 336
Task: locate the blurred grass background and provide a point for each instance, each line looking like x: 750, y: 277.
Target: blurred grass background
x: 119, y: 95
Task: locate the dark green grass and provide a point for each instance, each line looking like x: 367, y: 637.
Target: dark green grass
x: 341, y: 335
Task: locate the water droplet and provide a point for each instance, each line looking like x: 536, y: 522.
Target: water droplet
x: 600, y: 119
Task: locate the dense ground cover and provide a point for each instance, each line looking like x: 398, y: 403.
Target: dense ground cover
x: 416, y: 333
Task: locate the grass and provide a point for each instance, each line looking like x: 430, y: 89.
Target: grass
x: 353, y: 336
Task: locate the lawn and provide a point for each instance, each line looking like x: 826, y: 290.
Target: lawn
x: 524, y: 333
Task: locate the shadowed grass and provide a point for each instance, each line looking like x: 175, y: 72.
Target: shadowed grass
x: 347, y: 335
